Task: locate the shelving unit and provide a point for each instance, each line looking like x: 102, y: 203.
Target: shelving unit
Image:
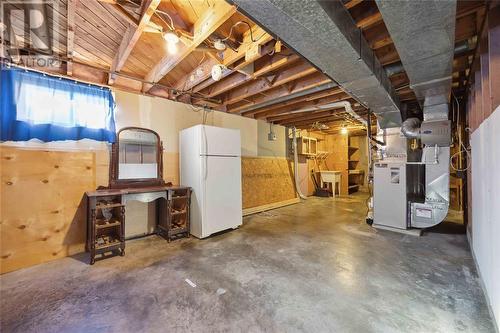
x: 106, y: 227
x: 307, y: 146
x: 355, y: 175
x: 173, y: 219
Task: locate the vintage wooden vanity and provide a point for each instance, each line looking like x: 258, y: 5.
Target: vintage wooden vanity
x: 135, y: 174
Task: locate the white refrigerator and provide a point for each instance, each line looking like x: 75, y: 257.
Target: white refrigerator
x: 210, y: 163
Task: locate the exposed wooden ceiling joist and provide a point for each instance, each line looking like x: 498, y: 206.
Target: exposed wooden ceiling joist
x: 340, y: 96
x: 313, y: 80
x: 207, y: 24
x: 263, y: 84
x: 70, y: 36
x: 131, y: 37
x: 296, y: 103
x: 200, y: 77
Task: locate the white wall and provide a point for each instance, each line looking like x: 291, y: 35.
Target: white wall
x: 485, y: 145
x: 265, y: 147
x: 167, y: 118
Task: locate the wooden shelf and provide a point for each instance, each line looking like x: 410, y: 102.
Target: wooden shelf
x: 356, y: 172
x: 114, y: 205
x: 102, y: 224
x: 112, y: 243
x: 179, y: 212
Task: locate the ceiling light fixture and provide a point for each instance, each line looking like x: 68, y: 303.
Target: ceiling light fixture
x: 343, y: 130
x: 171, y: 48
x: 171, y: 37
x: 219, y: 45
x: 217, y: 72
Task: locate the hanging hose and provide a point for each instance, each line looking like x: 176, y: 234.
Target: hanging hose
x: 296, y: 164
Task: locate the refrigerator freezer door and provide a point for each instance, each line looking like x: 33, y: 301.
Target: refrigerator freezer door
x: 219, y: 141
x: 222, y: 200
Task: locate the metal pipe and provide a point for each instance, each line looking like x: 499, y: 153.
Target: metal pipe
x: 296, y: 165
x: 397, y: 67
x: 411, y: 128
x: 343, y: 104
x: 320, y: 88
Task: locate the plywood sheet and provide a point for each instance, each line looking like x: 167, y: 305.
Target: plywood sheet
x: 266, y: 181
x: 42, y: 211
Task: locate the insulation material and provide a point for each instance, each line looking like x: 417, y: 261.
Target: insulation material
x: 43, y: 211
x: 266, y: 180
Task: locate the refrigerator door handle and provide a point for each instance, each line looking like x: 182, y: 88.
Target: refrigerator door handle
x: 205, y: 163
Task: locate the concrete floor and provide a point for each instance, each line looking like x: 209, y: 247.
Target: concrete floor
x: 310, y: 267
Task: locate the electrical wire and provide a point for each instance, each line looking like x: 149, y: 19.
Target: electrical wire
x: 249, y: 27
x: 461, y: 147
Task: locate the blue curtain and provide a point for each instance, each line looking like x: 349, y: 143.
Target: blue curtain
x: 38, y: 106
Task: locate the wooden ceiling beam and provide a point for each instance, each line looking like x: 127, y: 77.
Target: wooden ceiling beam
x: 200, y: 77
x: 206, y: 25
x: 125, y: 14
x: 310, y: 121
x: 308, y: 97
x: 369, y: 20
x: 70, y: 36
x: 131, y: 38
x: 302, y: 105
x: 304, y: 116
x: 262, y: 85
x: 308, y: 82
x: 352, y: 3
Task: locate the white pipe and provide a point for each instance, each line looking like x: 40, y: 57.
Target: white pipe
x: 344, y: 104
x: 296, y: 164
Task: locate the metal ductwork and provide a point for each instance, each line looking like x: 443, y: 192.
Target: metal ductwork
x: 325, y: 33
x: 424, y: 38
x: 397, y: 67
x: 411, y: 128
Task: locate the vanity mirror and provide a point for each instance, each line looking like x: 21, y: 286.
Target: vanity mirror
x: 136, y: 159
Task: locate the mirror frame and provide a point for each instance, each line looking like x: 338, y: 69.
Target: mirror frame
x: 115, y: 182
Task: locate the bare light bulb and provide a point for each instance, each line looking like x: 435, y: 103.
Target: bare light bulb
x: 343, y: 130
x: 171, y: 37
x: 171, y: 48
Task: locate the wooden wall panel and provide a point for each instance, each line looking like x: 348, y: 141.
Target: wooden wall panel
x: 266, y: 180
x: 43, y: 214
x: 337, y: 145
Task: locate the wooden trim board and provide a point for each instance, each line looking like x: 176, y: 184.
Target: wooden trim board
x: 274, y: 205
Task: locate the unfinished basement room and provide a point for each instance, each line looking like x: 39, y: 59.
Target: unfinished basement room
x: 250, y: 166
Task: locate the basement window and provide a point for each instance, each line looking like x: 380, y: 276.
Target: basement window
x: 47, y: 108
